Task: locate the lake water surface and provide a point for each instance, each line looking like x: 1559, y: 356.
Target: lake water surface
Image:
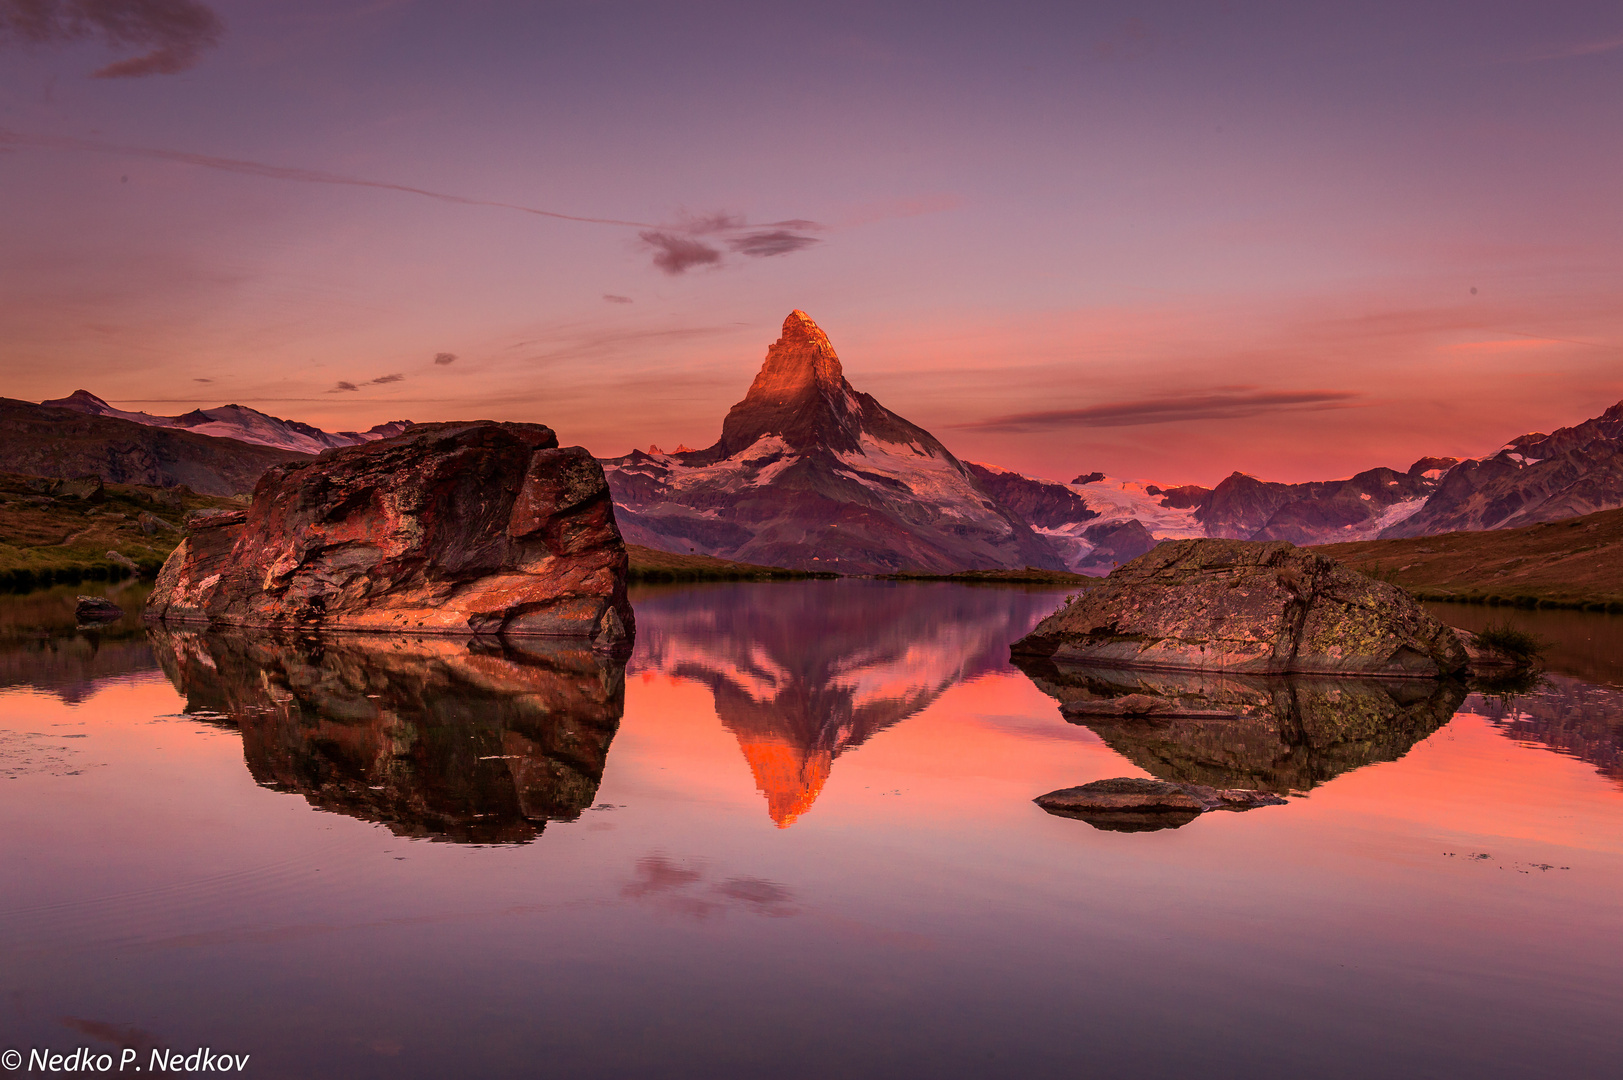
x: 793, y: 836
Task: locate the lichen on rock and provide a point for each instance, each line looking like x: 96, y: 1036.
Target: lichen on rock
x: 1236, y: 605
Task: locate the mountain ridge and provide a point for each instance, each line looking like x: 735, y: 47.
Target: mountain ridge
x: 235, y: 422
x: 811, y: 474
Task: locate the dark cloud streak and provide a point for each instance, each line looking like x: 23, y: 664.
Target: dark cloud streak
x: 444, y: 358
x: 280, y: 172
x: 1227, y: 404
x: 175, y: 33
x: 676, y: 254
x: 773, y: 242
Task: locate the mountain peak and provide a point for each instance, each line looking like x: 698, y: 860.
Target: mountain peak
x: 801, y: 359
x: 800, y: 393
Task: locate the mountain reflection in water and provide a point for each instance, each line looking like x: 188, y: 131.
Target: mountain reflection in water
x: 471, y: 742
x: 1279, y: 734
x: 805, y: 672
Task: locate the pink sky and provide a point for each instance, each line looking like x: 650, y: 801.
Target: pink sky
x: 1163, y: 241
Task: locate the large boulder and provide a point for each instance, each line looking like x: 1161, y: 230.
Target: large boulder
x: 1244, y: 606
x: 450, y: 528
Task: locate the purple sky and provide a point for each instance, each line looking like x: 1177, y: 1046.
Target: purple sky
x: 1162, y: 240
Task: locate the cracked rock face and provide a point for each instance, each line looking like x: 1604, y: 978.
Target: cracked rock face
x: 1245, y: 606
x: 480, y: 528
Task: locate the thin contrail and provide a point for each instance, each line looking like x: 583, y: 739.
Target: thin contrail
x: 282, y: 172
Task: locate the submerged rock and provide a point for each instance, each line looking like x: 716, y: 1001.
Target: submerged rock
x: 450, y: 528
x: 1137, y: 804
x: 1236, y: 605
x: 94, y: 609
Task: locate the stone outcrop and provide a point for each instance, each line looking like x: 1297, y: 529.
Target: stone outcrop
x: 95, y: 609
x: 1135, y: 804
x: 451, y: 528
x: 1243, y: 606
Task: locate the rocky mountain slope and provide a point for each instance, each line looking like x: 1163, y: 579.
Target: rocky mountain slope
x: 235, y: 422
x: 1534, y: 478
x: 44, y: 441
x: 810, y: 474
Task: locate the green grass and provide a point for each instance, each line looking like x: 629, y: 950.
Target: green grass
x: 46, y: 539
x: 1576, y: 563
x: 1509, y: 639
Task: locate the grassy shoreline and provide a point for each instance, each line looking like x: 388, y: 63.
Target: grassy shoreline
x: 1574, y: 564
x: 60, y: 532
x: 650, y: 566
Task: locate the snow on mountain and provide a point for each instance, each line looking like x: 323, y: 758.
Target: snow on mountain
x: 236, y: 422
x: 809, y: 473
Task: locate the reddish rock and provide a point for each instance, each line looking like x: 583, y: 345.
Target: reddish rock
x: 1134, y: 804
x: 450, y: 528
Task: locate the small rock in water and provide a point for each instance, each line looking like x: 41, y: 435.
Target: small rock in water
x: 1137, y: 804
x: 96, y: 609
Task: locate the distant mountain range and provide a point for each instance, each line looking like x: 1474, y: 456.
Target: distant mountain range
x: 42, y: 441
x: 811, y: 474
x: 235, y: 422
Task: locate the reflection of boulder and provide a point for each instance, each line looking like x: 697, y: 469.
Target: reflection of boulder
x: 433, y: 737
x: 803, y: 673
x: 43, y: 645
x: 1234, y: 605
x: 1272, y: 733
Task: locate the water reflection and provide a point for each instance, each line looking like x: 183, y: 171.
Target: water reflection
x: 803, y: 673
x: 1276, y: 734
x: 1567, y: 715
x: 471, y: 742
x: 42, y: 645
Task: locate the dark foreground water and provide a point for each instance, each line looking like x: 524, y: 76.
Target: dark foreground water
x: 793, y: 837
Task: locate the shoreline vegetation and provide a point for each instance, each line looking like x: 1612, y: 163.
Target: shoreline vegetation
x: 58, y: 532
x: 1029, y: 576
x: 55, y: 532
x: 651, y: 566
x: 1576, y: 563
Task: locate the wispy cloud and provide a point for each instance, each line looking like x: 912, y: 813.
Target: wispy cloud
x: 174, y: 33
x: 676, y: 248
x: 772, y: 242
x: 283, y: 172
x: 614, y: 298
x: 444, y: 358
x: 342, y: 387
x: 677, y: 254
x: 1221, y: 403
x: 388, y: 379
x: 1568, y: 52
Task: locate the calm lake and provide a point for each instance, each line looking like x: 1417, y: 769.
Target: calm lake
x: 793, y: 836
